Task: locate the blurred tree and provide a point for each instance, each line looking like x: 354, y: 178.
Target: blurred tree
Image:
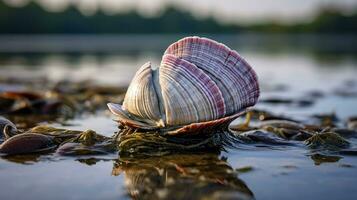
x: 33, y: 19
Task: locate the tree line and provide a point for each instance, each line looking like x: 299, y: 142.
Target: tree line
x: 33, y: 19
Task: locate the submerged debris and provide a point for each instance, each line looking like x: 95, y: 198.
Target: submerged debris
x: 286, y: 101
x: 157, y: 165
x: 55, y: 103
x: 284, y: 129
x: 352, y: 123
x: 282, y: 124
x: 328, y: 141
x: 79, y: 149
x: 265, y: 137
x: 42, y: 139
x: 156, y: 144
x: 327, y: 120
x: 263, y: 115
x: 24, y: 102
x: 87, y: 143
x: 245, y: 169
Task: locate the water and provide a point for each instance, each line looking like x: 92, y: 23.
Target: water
x: 288, y: 70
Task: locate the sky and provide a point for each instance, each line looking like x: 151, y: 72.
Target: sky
x: 226, y: 11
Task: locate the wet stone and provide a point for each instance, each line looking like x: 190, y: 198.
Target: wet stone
x: 27, y: 143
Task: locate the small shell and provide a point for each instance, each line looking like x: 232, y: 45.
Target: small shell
x: 200, y: 83
x: 26, y: 143
x: 11, y: 126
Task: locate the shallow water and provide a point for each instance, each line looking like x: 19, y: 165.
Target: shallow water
x: 324, y: 77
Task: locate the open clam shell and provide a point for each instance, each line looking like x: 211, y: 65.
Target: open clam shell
x: 200, y: 84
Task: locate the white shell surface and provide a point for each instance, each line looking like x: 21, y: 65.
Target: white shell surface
x: 141, y: 98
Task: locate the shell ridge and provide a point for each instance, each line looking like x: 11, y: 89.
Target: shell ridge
x: 201, y: 77
x: 212, y: 87
x: 251, y: 79
x: 206, y: 90
x: 236, y: 79
x: 183, y: 94
x: 171, y: 112
x: 194, y: 77
x: 202, y: 57
x: 141, y: 99
x: 249, y: 82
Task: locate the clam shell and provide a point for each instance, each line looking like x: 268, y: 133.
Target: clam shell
x: 200, y: 83
x: 26, y: 143
x: 5, y: 122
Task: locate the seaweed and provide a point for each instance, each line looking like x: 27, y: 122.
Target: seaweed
x: 328, y: 141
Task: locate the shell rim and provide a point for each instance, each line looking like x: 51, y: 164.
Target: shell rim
x: 170, y: 129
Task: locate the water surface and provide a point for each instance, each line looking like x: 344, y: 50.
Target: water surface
x: 285, y: 71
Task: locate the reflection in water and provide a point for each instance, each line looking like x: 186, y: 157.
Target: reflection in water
x: 181, y: 176
x: 178, y: 167
x: 23, y: 159
x: 321, y: 158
